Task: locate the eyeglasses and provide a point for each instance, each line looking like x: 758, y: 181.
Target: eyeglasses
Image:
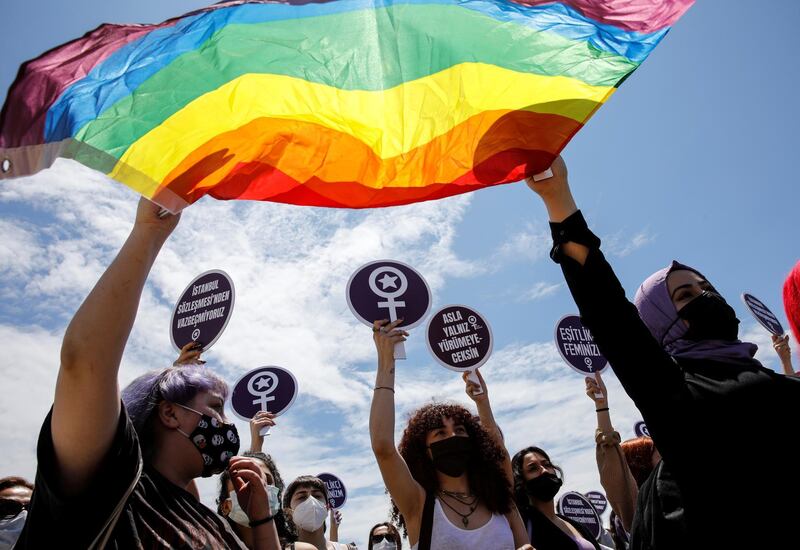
x: 10, y: 508
x: 378, y: 538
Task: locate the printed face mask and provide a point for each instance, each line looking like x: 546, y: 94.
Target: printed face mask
x: 310, y: 514
x: 710, y: 318
x: 451, y: 456
x: 544, y: 487
x: 216, y: 441
x: 384, y: 545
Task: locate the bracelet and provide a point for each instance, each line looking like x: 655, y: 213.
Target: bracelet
x: 601, y: 410
x: 383, y: 388
x: 261, y: 521
x: 607, y: 438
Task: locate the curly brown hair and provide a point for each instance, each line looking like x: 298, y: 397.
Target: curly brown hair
x: 485, y: 474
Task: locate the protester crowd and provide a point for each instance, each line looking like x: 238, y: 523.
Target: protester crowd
x: 116, y: 469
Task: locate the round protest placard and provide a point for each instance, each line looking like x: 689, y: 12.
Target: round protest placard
x: 203, y: 310
x: 640, y: 429
x: 388, y: 289
x: 337, y: 493
x: 598, y: 500
x: 576, y: 346
x: 763, y: 314
x: 577, y: 508
x: 272, y: 389
x: 459, y: 338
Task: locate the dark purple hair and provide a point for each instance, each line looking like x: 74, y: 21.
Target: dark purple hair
x: 174, y: 384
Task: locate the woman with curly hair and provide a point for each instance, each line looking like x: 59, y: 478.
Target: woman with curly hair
x: 446, y: 479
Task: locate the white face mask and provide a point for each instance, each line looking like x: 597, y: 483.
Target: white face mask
x: 10, y: 529
x: 384, y: 545
x: 274, y: 501
x: 237, y: 514
x: 310, y: 514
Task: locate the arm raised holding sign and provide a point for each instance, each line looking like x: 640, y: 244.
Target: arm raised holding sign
x: 406, y: 493
x: 615, y: 475
x: 781, y: 346
x: 480, y: 395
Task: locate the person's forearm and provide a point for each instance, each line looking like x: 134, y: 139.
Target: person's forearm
x: 489, y: 423
x: 381, y: 416
x: 788, y: 368
x: 604, y: 421
x: 97, y: 334
x: 265, y: 537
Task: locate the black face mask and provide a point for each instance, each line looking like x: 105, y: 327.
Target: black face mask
x: 710, y: 318
x: 451, y: 456
x: 544, y: 487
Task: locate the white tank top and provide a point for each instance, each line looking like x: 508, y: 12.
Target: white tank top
x: 494, y: 535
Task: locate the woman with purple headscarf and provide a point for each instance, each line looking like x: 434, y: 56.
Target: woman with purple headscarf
x: 723, y: 423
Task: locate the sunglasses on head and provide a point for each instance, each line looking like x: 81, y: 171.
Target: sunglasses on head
x: 10, y: 508
x: 378, y: 538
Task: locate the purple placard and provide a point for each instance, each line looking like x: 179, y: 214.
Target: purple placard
x: 640, y: 429
x: 763, y: 314
x: 203, y: 310
x: 272, y: 389
x: 577, y: 508
x: 388, y: 289
x: 337, y: 493
x: 459, y: 338
x: 598, y: 500
x: 576, y: 346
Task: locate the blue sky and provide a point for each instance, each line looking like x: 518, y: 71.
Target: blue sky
x: 693, y: 159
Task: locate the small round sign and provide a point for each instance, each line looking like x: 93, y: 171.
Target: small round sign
x: 763, y: 314
x: 459, y: 338
x: 598, y: 500
x: 577, y: 508
x: 388, y: 289
x: 337, y: 493
x: 5, y: 166
x: 576, y: 345
x: 272, y: 389
x: 640, y: 429
x: 203, y: 310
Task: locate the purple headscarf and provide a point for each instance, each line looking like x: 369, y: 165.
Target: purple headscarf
x: 659, y: 314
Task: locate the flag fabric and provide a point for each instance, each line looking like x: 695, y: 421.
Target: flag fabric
x: 345, y: 103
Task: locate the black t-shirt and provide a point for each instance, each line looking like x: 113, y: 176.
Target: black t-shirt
x: 158, y: 514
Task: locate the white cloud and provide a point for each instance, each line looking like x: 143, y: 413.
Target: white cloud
x: 540, y: 290
x: 621, y: 245
x: 531, y: 244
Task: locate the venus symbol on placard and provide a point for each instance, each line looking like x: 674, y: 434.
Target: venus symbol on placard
x: 389, y: 281
x: 260, y: 386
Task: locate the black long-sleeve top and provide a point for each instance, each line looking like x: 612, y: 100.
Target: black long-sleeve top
x: 727, y: 433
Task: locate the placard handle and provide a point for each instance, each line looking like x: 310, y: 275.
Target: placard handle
x: 473, y: 377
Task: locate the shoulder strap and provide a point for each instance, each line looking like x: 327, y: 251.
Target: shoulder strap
x: 99, y: 543
x: 426, y: 525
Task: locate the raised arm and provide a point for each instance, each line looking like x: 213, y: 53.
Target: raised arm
x: 406, y: 493
x: 615, y: 475
x: 781, y: 345
x: 87, y: 401
x: 488, y: 421
x: 615, y: 323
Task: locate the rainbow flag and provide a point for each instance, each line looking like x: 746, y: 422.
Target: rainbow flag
x: 344, y: 103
